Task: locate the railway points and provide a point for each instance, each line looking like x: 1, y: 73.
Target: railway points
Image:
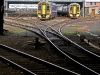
x: 70, y: 27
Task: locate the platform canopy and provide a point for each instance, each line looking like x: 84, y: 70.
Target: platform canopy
x: 50, y: 0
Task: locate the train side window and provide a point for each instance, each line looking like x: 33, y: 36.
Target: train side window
x: 77, y: 8
x: 39, y: 7
x: 70, y: 8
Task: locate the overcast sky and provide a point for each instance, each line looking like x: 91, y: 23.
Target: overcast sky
x: 93, y: 0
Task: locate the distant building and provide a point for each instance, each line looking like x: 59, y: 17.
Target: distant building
x: 91, y: 10
x: 93, y: 3
x: 94, y: 6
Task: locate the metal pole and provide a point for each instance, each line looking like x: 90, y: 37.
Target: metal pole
x: 83, y: 9
x: 6, y: 6
x: 1, y: 16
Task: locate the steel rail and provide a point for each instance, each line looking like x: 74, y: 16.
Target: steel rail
x: 39, y: 60
x: 94, y: 46
x: 78, y: 45
x: 29, y: 28
x: 75, y: 45
x: 68, y: 55
x: 18, y: 66
x: 42, y: 31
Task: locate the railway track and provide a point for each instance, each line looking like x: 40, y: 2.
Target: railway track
x: 90, y: 42
x: 29, y: 64
x: 6, y: 69
x: 77, y: 53
x: 54, y: 39
x: 57, y: 58
x: 92, y: 71
x: 91, y: 66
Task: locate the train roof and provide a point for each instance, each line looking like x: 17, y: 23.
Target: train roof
x: 46, y: 2
x: 43, y: 2
x: 74, y: 3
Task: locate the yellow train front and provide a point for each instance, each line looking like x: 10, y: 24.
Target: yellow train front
x: 46, y: 10
x: 74, y: 10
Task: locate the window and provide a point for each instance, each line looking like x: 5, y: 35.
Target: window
x: 71, y: 8
x: 90, y: 3
x: 77, y: 8
x: 47, y: 7
x: 39, y: 7
x: 95, y: 3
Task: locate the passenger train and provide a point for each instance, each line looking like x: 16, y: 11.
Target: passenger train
x: 46, y: 10
x: 72, y: 10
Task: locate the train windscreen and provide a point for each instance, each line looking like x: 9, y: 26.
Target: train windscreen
x: 77, y: 8
x: 71, y: 9
x: 47, y: 7
x: 39, y: 7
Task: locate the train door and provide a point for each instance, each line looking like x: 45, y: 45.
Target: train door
x: 45, y: 10
x: 93, y: 11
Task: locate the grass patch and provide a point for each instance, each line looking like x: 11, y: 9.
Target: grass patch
x: 70, y: 32
x: 14, y: 30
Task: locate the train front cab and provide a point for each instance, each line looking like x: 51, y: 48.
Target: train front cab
x: 74, y: 10
x: 43, y: 11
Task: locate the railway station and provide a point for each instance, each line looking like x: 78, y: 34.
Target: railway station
x: 51, y: 42
x: 33, y: 3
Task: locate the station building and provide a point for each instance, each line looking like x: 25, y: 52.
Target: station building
x: 93, y: 3
x: 93, y: 6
